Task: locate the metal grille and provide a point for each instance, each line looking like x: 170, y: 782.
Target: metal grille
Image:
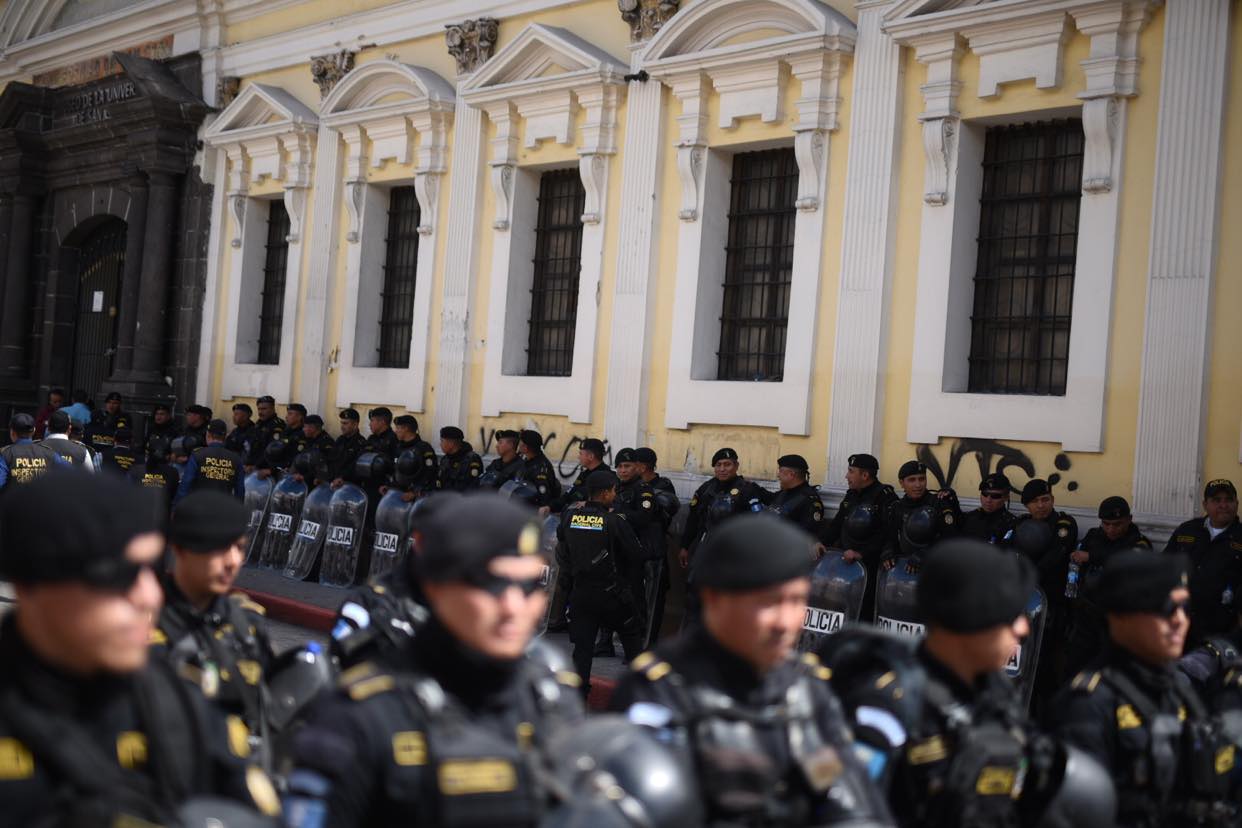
x: 758, y: 266
x: 554, y: 288
x: 1028, y: 239
x: 400, y: 272
x: 101, y: 265
x: 272, y: 310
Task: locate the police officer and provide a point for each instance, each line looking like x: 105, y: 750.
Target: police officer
x: 1135, y: 713
x: 72, y: 452
x: 934, y: 513
x: 313, y: 437
x: 23, y: 460
x: 992, y: 521
x: 162, y: 426
x: 858, y: 526
x: 241, y: 439
x: 1212, y: 545
x: 507, y: 464
x: 666, y: 505
x: 761, y: 726
x: 215, y: 639
x: 382, y: 440
x: 537, y: 470
x: 797, y: 500
x: 942, y: 727
x: 101, y: 432
x: 157, y: 473
x: 269, y: 428
x: 726, y: 494
x: 591, y: 453
x: 93, y: 732
x: 295, y: 435
x: 196, y: 419
x: 348, y: 446
x: 460, y: 467
x: 1208, y: 664
x: 599, y: 560
x: 214, y: 466
x: 121, y: 456
x: 450, y: 737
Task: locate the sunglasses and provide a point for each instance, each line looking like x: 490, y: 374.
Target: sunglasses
x: 1172, y: 607
x: 497, y: 585
x: 116, y: 575
x: 993, y: 495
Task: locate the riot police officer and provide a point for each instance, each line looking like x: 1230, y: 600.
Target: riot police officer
x: 349, y: 445
x: 451, y: 737
x: 1135, y: 713
x: 214, y: 466
x: 1212, y: 545
x: 460, y: 467
x: 858, y: 526
x: 121, y: 456
x: 72, y: 452
x: 797, y: 500
x: 423, y: 478
x: 992, y: 521
x: 382, y: 440
x: 666, y: 505
x: 935, y: 514
x: 196, y: 419
x: 157, y: 473
x: 761, y: 726
x: 214, y: 639
x: 507, y: 464
x: 294, y: 437
x: 23, y: 460
x: 591, y: 453
x: 162, y: 426
x: 726, y: 494
x: 93, y: 731
x: 101, y: 432
x: 537, y: 470
x: 314, y: 438
x: 599, y: 560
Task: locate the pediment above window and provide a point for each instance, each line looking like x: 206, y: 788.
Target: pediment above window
x: 739, y: 29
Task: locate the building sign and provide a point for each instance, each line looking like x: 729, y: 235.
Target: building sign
x: 103, y: 67
x: 92, y: 105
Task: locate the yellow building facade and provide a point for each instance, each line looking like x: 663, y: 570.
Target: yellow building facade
x: 894, y: 118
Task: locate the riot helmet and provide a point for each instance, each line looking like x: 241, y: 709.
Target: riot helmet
x: 521, y: 491
x: 275, y: 452
x: 1032, y: 537
x: 407, y: 467
x: 373, y: 466
x: 306, y: 463
x: 919, y: 528
x: 862, y: 522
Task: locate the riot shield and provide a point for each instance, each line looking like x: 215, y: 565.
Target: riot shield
x: 836, y: 597
x: 284, y: 510
x: 1025, y: 659
x: 653, y: 573
x: 311, y: 527
x: 896, y: 609
x: 392, y: 521
x: 258, y: 492
x: 547, y: 544
x: 343, y: 541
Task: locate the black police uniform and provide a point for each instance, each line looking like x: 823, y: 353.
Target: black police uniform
x: 1086, y: 628
x: 598, y: 556
x: 460, y: 472
x: 101, y: 432
x: 215, y: 467
x: 264, y: 432
x: 120, y: 459
x: 859, y: 524
x: 1215, y: 576
x: 989, y: 527
x: 345, y: 455
x: 166, y: 432
x: 448, y: 740
x: 668, y: 505
x: 242, y: 440
x: 578, y: 493
x: 428, y: 465
x: 801, y: 505
x: 771, y: 750
x: 899, y: 511
x: 539, y: 473
x: 157, y: 475
x: 385, y: 443
x: 715, y: 501
x: 27, y: 461
x: 199, y: 434
x: 498, y: 472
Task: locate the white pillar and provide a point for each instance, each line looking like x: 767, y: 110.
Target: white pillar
x: 317, y: 356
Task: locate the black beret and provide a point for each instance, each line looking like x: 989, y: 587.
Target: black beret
x: 625, y: 455
x: 298, y: 407
x: 58, y: 422
x: 910, y: 468
x: 1034, y: 488
x: 1139, y: 580
x: 532, y: 439
x: 208, y: 521
x: 593, y: 445
x: 724, y: 454
x: 967, y: 585
x: 508, y: 434
x: 244, y: 407
x: 452, y: 433
x: 469, y: 532
x: 794, y: 461
x: 21, y: 423
x: 601, y: 480
x: 161, y: 407
x: 314, y: 419
x: 994, y: 482
x: 114, y: 395
x: 407, y: 421
x: 645, y: 455
x: 201, y: 410
x: 754, y: 551
x: 1114, y: 508
x: 349, y: 414
x: 68, y: 526
x: 866, y: 462
x: 266, y: 398
x: 218, y: 428
x: 1215, y: 487
x: 383, y: 413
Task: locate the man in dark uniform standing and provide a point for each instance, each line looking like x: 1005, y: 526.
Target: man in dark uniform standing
x: 760, y: 724
x: 507, y: 464
x: 241, y: 438
x: 214, y: 639
x: 858, y: 527
x: 314, y: 437
x: 1136, y: 714
x: 295, y: 419
x: 101, y: 432
x: 667, y: 505
x: 93, y: 732
x: 598, y: 555
x: 797, y: 500
x: 726, y: 494
x: 408, y: 439
x: 214, y: 466
x: 23, y: 460
x: 591, y: 453
x: 121, y: 457
x: 537, y: 470
x: 1212, y: 545
x: 941, y: 507
x: 196, y: 419
x: 448, y: 737
x: 157, y: 472
x: 382, y: 440
x: 460, y: 467
x: 348, y: 446
x: 992, y: 521
x: 269, y: 427
x: 162, y: 427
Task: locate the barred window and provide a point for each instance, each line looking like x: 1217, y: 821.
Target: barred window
x: 554, y: 288
x: 272, y: 306
x: 758, y: 266
x: 400, y: 272
x: 1028, y: 239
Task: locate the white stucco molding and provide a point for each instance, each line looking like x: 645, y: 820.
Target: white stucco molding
x: 940, y: 406
x: 264, y: 134
x: 532, y: 90
x: 746, y: 50
x: 386, y: 111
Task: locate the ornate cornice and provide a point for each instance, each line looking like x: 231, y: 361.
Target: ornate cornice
x: 472, y: 42
x: 646, y: 16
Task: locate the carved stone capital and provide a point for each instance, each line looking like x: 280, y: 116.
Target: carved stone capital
x: 472, y: 42
x: 227, y: 88
x: 327, y: 70
x: 646, y: 17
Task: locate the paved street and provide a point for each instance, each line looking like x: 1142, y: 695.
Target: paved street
x: 285, y: 636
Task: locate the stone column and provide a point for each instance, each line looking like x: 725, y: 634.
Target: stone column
x: 131, y: 281
x: 15, y: 320
x: 156, y: 271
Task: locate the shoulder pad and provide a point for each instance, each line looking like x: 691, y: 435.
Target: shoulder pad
x: 1063, y: 517
x: 814, y: 667
x: 364, y: 680
x: 1087, y: 681
x: 887, y: 489
x: 157, y: 636
x: 243, y: 600
x: 650, y: 666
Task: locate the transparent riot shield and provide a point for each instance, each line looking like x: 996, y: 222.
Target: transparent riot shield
x: 653, y: 572
x: 284, y: 511
x: 343, y: 542
x: 837, y: 588
x: 1025, y: 659
x: 258, y: 492
x: 307, y: 541
x: 547, y: 545
x: 392, y: 522
x: 895, y: 607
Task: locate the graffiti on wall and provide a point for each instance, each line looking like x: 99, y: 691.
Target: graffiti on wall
x: 564, y: 459
x: 990, y: 456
